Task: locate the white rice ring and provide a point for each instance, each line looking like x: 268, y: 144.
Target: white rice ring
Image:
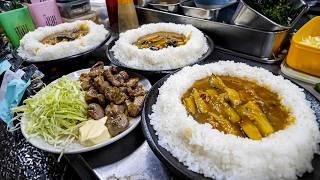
x: 32, y: 49
x: 285, y: 154
x: 163, y: 59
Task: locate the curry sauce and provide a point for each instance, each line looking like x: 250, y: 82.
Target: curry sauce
x: 236, y: 106
x: 160, y: 40
x: 66, y: 36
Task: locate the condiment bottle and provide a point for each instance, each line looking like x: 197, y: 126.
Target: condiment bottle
x: 127, y: 16
x: 112, y: 7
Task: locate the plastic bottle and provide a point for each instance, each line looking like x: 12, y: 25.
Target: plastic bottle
x: 112, y: 7
x: 127, y: 15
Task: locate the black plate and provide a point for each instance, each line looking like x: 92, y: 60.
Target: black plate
x: 178, y: 168
x: 116, y: 62
x: 15, y: 53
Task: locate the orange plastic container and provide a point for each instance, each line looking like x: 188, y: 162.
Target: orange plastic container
x: 303, y: 57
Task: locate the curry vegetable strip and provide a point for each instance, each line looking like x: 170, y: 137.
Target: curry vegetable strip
x: 190, y: 105
x: 226, y: 126
x: 254, y: 113
x: 218, y: 103
x: 250, y: 129
x: 216, y: 82
x: 231, y: 94
x: 200, y: 103
x: 227, y: 109
x: 211, y: 92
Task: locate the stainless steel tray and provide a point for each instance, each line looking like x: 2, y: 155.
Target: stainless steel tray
x: 261, y: 44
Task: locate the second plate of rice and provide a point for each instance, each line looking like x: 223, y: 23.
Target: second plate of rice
x: 160, y: 47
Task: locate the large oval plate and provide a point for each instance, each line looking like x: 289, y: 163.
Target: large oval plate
x: 116, y: 62
x: 75, y: 147
x: 15, y: 53
x: 173, y: 163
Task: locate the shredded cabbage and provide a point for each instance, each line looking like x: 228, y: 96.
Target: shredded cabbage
x: 56, y: 112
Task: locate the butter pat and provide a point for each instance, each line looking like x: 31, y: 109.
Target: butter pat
x: 94, y: 132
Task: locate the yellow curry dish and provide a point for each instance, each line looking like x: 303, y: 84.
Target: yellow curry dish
x: 159, y: 40
x: 236, y: 106
x: 66, y: 36
x: 228, y: 120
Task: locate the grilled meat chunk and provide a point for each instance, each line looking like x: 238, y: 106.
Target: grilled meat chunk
x: 137, y: 91
x: 132, y: 82
x: 123, y: 89
x: 111, y: 78
x: 97, y: 65
x: 113, y: 109
x: 117, y: 124
x: 100, y: 84
x: 85, y: 85
x: 85, y: 81
x: 101, y: 99
x: 97, y: 69
x: 91, y: 96
x: 95, y: 111
x: 84, y: 77
x: 120, y: 79
x: 122, y: 76
x: 114, y: 69
x: 95, y: 73
x: 115, y: 95
x: 135, y: 107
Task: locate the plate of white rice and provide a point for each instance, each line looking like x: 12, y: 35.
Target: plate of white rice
x: 33, y: 50
x: 205, y: 152
x: 122, y: 52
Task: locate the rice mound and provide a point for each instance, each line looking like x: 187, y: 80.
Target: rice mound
x: 163, y: 59
x: 285, y: 154
x: 32, y: 49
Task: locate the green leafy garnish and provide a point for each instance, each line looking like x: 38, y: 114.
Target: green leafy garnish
x: 280, y: 11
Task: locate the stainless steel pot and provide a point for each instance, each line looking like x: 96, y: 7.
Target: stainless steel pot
x: 189, y: 9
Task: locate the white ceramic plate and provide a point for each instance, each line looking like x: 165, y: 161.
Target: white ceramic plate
x: 75, y: 147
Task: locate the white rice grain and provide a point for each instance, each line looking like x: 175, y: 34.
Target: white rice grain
x: 285, y: 154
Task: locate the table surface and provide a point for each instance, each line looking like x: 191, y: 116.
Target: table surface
x: 131, y: 157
